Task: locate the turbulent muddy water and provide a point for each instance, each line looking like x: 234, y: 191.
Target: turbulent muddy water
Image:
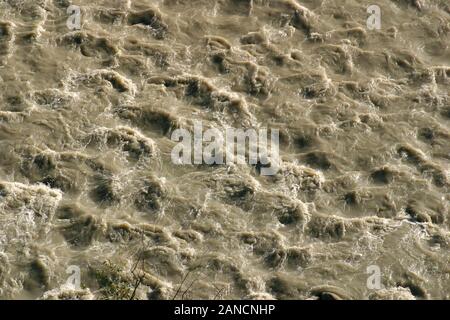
x: 86, y: 178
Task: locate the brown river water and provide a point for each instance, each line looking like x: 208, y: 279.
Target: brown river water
x: 93, y: 207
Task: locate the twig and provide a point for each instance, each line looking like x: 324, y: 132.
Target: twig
x: 181, y: 284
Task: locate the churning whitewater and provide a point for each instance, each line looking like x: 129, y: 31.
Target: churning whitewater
x: 92, y: 205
